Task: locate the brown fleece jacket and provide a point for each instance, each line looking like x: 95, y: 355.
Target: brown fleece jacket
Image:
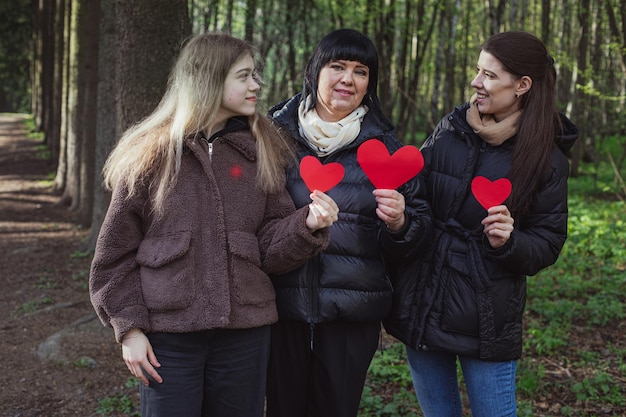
x: 204, y: 263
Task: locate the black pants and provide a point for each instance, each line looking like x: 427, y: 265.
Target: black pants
x: 215, y: 373
x: 319, y: 371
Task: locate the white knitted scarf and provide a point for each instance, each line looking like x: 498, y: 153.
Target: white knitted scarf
x: 327, y: 137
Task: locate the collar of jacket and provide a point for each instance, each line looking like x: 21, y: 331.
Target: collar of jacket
x: 563, y: 140
x: 286, y: 114
x: 239, y: 139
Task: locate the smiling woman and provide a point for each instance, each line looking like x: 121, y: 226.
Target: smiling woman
x: 463, y: 301
x: 341, y: 88
x: 240, y: 90
x: 330, y: 308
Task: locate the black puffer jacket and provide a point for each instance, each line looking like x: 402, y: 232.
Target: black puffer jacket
x: 463, y: 296
x: 349, y: 280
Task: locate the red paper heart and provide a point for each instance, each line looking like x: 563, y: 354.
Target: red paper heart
x: 320, y: 177
x: 490, y: 193
x: 389, y: 171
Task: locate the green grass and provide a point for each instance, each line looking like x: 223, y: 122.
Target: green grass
x: 122, y: 403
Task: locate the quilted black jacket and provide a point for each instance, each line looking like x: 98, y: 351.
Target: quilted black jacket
x: 350, y: 279
x: 462, y: 296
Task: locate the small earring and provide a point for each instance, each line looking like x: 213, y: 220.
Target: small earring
x: 516, y: 95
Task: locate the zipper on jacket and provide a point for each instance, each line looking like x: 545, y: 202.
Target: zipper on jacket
x: 312, y: 328
x: 312, y: 282
x: 210, y: 151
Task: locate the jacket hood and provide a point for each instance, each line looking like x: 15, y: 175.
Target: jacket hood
x: 565, y: 141
x: 235, y: 133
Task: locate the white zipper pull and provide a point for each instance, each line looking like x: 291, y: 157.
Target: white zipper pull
x: 210, y: 151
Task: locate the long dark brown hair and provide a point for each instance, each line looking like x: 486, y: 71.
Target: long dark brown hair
x: 523, y: 54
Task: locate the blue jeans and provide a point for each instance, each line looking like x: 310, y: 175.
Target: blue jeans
x: 213, y: 373
x: 490, y: 385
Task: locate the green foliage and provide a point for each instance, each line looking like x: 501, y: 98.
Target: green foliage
x: 602, y: 388
x: 117, y: 405
x: 121, y: 404
x: 43, y: 152
x: 81, y: 254
x: 32, y: 306
x: 389, y: 368
x: 15, y: 26
x: 530, y: 376
x: 47, y: 283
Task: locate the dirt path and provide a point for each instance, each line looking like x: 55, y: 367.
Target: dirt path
x: 57, y: 359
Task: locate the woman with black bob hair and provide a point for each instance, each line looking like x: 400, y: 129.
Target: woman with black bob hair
x: 330, y: 309
x: 348, y: 45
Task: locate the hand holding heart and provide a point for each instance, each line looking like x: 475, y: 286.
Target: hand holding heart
x: 322, y: 211
x: 390, y: 208
x: 498, y: 224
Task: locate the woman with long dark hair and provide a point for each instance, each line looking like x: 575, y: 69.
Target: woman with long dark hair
x: 464, y: 299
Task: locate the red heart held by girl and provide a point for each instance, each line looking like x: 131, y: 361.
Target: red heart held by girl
x: 320, y: 177
x: 389, y: 171
x: 490, y: 193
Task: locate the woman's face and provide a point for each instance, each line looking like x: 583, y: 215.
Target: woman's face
x: 240, y: 89
x: 495, y: 88
x: 341, y: 87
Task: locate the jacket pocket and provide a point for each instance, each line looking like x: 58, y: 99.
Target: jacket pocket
x: 250, y: 284
x: 165, y: 263
x: 459, y: 313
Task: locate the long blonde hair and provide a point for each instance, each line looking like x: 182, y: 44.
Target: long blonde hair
x: 152, y: 149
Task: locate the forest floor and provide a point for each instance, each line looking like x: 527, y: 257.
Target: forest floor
x: 57, y: 358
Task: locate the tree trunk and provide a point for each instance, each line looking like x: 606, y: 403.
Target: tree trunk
x: 139, y: 42
x: 106, y: 119
x: 580, y: 102
x: 62, y: 165
x: 149, y: 36
x: 545, y: 20
x: 88, y: 112
x: 36, y: 62
x: 75, y: 104
x: 53, y: 135
x: 47, y: 66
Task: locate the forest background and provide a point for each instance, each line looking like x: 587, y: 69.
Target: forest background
x: 86, y: 70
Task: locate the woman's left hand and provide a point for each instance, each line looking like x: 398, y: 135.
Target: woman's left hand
x: 322, y: 211
x: 498, y: 225
x: 390, y: 208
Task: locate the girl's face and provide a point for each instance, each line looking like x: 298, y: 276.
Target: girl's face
x: 240, y: 89
x: 341, y: 87
x: 496, y: 88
